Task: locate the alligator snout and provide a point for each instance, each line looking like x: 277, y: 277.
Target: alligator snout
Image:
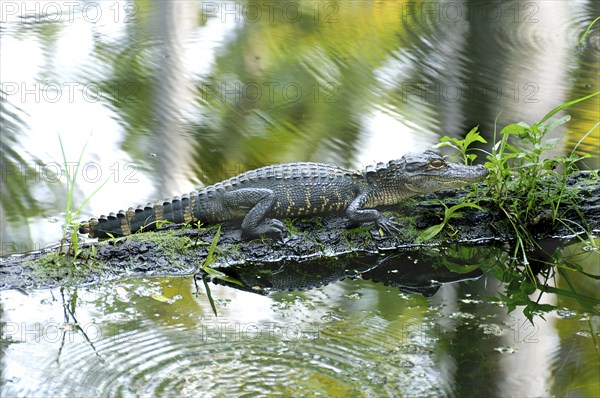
x: 481, y: 171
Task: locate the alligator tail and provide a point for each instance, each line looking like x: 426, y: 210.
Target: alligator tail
x: 143, y: 218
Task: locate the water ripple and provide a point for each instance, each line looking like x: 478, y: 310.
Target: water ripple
x: 366, y: 356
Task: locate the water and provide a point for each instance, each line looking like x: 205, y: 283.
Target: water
x: 172, y: 95
x: 155, y: 337
x: 366, y: 332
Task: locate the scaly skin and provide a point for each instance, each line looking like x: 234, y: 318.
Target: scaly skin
x: 262, y: 197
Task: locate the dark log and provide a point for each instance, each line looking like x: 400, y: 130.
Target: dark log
x: 322, y: 249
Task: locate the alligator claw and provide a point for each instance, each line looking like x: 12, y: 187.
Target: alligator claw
x: 275, y: 228
x: 388, y: 225
x: 271, y: 228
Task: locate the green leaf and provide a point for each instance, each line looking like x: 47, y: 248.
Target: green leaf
x: 446, y: 139
x: 209, y: 295
x: 473, y: 136
x: 566, y: 105
x: 213, y: 273
x: 430, y: 232
x: 75, y: 240
x: 512, y: 129
x: 569, y: 293
x: 210, y: 257
x: 584, y: 137
x: 555, y: 123
x: 587, y: 31
x: 449, y: 213
x: 551, y: 143
x: 162, y: 299
x: 460, y: 269
x: 514, y: 150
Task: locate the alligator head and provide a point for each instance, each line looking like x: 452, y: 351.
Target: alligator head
x: 416, y: 174
x: 429, y: 172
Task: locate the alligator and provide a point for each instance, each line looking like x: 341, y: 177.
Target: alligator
x: 262, y: 197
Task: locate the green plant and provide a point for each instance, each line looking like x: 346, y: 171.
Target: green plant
x: 463, y: 145
x: 587, y: 30
x: 449, y: 213
x: 528, y: 183
x: 525, y: 181
x: 293, y: 230
x: 70, y: 213
x: 206, y: 271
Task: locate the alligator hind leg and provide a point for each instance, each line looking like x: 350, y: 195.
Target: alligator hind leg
x: 258, y: 202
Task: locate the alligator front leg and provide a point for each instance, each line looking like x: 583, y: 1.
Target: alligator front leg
x: 259, y: 202
x: 358, y: 215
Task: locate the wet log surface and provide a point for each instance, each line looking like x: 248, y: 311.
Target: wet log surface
x: 317, y: 252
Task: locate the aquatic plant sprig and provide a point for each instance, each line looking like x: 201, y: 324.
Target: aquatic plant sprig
x: 524, y: 180
x: 70, y: 213
x: 205, y: 271
x: 584, y: 35
x: 463, y: 145
x: 529, y: 183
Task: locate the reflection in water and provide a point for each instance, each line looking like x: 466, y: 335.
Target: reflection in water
x: 11, y: 164
x: 171, y: 142
x: 410, y: 272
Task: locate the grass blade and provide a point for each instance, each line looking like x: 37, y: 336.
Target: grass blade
x: 566, y: 105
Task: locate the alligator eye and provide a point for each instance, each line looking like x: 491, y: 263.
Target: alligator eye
x: 437, y: 163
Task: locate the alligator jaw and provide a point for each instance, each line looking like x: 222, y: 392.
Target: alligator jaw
x: 452, y: 176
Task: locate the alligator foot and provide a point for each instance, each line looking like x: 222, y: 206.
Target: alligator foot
x: 271, y: 228
x: 388, y: 225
